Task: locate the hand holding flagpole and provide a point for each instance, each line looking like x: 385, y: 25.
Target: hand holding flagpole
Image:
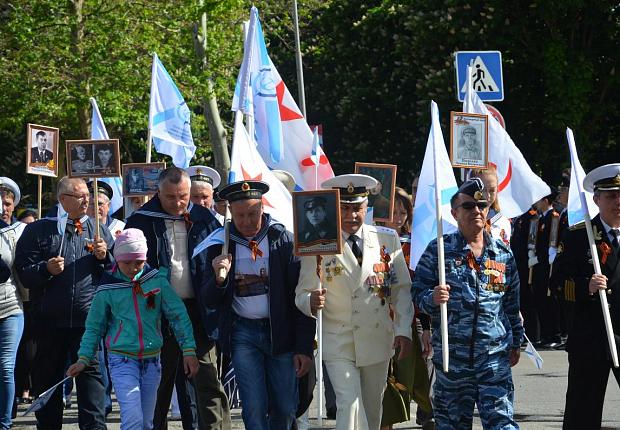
x: 594, y: 252
x: 222, y: 273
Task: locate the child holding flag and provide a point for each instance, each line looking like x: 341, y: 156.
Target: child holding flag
x: 127, y: 310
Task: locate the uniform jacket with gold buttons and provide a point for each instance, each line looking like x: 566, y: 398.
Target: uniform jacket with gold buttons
x: 356, y: 317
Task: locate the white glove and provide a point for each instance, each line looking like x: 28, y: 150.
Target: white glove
x: 553, y: 252
x: 532, y: 260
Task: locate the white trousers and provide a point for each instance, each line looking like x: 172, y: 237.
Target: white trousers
x: 359, y: 393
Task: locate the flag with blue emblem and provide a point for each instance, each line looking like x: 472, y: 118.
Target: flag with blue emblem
x: 281, y: 132
x: 575, y: 209
x: 43, y: 398
x: 533, y: 355
x: 98, y: 131
x: 169, y: 118
x: 436, y: 173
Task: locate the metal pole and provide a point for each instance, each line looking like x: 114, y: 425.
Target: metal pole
x: 298, y: 63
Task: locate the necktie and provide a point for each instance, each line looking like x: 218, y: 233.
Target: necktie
x: 42, y: 155
x: 355, y: 248
x: 614, y: 232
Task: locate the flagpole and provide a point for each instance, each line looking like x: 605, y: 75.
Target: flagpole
x: 40, y: 195
x: 593, y: 251
x: 443, y: 307
x: 298, y: 62
x: 96, y: 202
x: 150, y: 126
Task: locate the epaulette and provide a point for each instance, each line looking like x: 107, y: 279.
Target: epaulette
x: 386, y: 230
x: 578, y: 226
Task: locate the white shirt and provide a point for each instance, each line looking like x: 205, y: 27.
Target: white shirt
x: 180, y: 275
x: 256, y: 273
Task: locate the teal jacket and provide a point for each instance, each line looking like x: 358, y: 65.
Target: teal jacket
x: 128, y: 314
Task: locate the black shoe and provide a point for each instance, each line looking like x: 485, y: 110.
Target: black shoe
x: 331, y: 413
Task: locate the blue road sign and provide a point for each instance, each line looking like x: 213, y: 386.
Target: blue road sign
x: 487, y: 78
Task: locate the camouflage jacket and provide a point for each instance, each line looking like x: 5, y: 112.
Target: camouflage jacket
x: 483, y: 309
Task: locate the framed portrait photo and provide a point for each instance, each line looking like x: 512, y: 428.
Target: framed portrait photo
x: 93, y: 158
x: 42, y: 150
x: 381, y: 198
x: 316, y: 217
x: 141, y: 179
x: 469, y: 140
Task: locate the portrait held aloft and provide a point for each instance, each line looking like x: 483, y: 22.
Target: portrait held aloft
x: 381, y: 197
x: 317, y: 222
x: 42, y: 147
x: 141, y: 179
x: 93, y: 158
x: 468, y: 140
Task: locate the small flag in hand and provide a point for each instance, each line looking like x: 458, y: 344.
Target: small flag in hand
x: 43, y: 398
x: 533, y: 355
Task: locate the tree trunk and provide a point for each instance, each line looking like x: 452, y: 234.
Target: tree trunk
x: 217, y: 133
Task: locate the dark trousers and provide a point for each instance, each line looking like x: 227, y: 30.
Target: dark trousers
x: 205, y: 390
x: 528, y: 307
x: 53, y: 346
x: 585, y: 395
x: 547, y: 305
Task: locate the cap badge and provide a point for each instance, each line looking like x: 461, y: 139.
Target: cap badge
x: 478, y: 195
x: 245, y: 186
x: 199, y: 171
x: 350, y: 188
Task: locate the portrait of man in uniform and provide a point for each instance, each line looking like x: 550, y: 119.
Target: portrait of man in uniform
x: 381, y: 197
x: 41, y: 150
x: 468, y: 140
x: 93, y: 158
x: 316, y: 222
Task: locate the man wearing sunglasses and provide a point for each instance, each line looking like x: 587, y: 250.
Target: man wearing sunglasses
x: 485, y: 331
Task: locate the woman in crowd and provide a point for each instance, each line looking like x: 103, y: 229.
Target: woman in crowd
x: 11, y: 314
x: 498, y: 225
x: 408, y: 378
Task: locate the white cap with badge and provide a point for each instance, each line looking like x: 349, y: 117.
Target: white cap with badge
x: 204, y: 174
x: 353, y: 187
x: 603, y: 178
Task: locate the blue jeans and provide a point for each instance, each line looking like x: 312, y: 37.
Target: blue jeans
x: 267, y: 383
x: 135, y: 383
x: 11, y: 329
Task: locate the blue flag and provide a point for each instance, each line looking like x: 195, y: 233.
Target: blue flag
x: 169, y: 118
x: 98, y: 131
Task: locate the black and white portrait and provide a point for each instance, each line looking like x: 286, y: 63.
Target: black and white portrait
x: 469, y: 140
x: 317, y: 222
x: 93, y: 158
x: 41, y: 150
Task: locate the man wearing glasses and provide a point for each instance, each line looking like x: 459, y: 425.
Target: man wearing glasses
x: 485, y: 331
x: 61, y: 266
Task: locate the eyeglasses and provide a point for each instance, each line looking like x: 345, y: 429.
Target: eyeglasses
x: 79, y: 198
x: 468, y: 206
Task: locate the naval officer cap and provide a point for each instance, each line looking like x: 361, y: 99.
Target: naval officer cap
x: 314, y: 202
x: 473, y: 187
x: 353, y: 187
x: 9, y: 184
x: 244, y: 190
x: 604, y: 178
x: 102, y: 188
x: 204, y: 174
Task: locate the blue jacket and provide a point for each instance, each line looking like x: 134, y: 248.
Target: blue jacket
x: 291, y: 330
x: 154, y: 228
x: 61, y: 300
x: 483, y: 310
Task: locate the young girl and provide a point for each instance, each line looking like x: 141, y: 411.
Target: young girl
x: 127, y: 310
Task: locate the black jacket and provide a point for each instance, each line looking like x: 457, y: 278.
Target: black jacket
x: 574, y: 264
x: 291, y: 330
x: 62, y: 300
x: 158, y: 255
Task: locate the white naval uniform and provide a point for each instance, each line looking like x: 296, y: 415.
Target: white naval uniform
x: 358, y: 334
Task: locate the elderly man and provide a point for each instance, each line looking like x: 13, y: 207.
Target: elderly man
x: 362, y: 284
x: 204, y: 181
x: 61, y: 266
x: 485, y: 331
x: 173, y: 226
x: 269, y: 340
x: 589, y: 358
x: 105, y: 194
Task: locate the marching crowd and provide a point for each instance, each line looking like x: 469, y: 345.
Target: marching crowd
x: 174, y: 298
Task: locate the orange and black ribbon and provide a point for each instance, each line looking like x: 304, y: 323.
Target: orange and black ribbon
x: 78, y: 226
x: 605, y: 251
x: 253, y: 245
x: 188, y: 221
x: 471, y: 262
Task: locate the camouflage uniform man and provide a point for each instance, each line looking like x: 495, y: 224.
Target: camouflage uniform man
x: 485, y: 331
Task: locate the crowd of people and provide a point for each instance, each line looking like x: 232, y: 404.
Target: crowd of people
x: 179, y: 294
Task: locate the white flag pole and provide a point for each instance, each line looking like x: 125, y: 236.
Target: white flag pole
x: 148, y: 135
x: 595, y: 261
x: 298, y: 62
x: 443, y: 308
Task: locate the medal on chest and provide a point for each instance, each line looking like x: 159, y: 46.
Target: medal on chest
x: 379, y: 283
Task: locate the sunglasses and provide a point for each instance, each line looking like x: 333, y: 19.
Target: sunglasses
x: 468, y: 206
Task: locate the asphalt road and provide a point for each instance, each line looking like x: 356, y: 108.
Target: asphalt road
x: 539, y: 400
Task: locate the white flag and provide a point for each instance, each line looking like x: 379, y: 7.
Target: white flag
x: 575, y: 209
x: 518, y: 186
x: 247, y: 164
x: 533, y: 355
x: 436, y: 160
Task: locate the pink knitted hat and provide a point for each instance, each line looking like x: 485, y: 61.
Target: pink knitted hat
x: 130, y: 245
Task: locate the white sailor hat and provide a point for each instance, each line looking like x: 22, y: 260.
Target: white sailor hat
x: 9, y: 184
x: 204, y: 174
x: 604, y: 178
x: 353, y: 187
x: 286, y: 178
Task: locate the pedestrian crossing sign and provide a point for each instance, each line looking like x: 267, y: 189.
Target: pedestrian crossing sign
x: 487, y: 76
